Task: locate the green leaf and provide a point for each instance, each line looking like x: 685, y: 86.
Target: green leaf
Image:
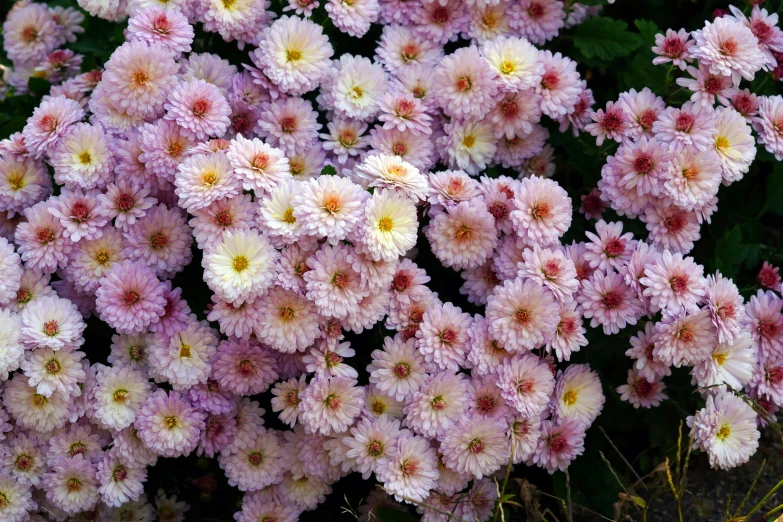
x: 605, y: 38
x: 773, y: 204
x: 648, y: 29
x: 730, y: 252
x: 387, y: 514
x: 642, y: 73
x: 39, y: 86
x: 328, y: 171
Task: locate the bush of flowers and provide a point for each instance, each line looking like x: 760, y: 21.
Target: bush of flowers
x: 382, y: 257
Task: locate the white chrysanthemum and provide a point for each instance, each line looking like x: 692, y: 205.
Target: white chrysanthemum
x: 11, y: 349
x: 241, y: 267
x: 204, y: 178
x: 83, y: 159
x: 469, y: 145
x: 33, y: 411
x: 55, y: 371
x: 119, y: 481
x: 332, y: 283
x: 731, y: 364
x: 52, y: 321
x: 726, y: 430
x: 733, y: 143
x: 185, y: 358
x: 578, y: 395
x: 260, y: 166
x: 116, y: 396
x: 515, y: 62
x: 276, y: 213
x: 399, y: 369
x: 357, y: 87
x: 392, y: 172
x: 17, y: 501
x: 294, y: 54
x: 329, y: 206
x: 391, y: 226
x: 257, y: 466
x: 286, y: 321
x: 330, y: 405
x: 371, y: 440
x: 411, y: 471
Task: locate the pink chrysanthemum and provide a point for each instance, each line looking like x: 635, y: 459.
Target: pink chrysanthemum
x: 53, y: 322
x: 538, y: 20
x: 673, y: 47
x: 199, y: 108
x: 398, y: 370
x: 168, y: 28
x: 49, y: 123
x: 672, y: 228
x: 257, y: 466
x: 129, y: 297
x: 332, y: 283
x: 286, y: 321
x: 442, y: 336
x: 692, y: 124
x: 161, y: 240
x: 23, y: 183
x: 465, y: 86
x: 674, y: 284
x: 764, y: 320
x: 83, y: 158
x: 559, y: 444
x: 612, y: 124
x: 260, y: 167
x: 609, y: 247
x: 463, y: 237
x: 203, y: 179
x: 168, y: 425
x: 559, y: 86
x: 330, y: 405
x: 125, y: 203
x: 685, y: 339
x: 526, y: 383
x: 609, y: 301
x: 411, y: 470
x: 71, y: 485
x: 641, y: 392
x: 543, y: 210
x: 139, y: 78
x: 570, y: 334
x: 438, y: 405
x: 729, y: 48
x: 769, y: 125
x: 329, y: 206
x: 552, y: 270
x: 522, y: 315
x: 476, y: 446
x: 79, y: 214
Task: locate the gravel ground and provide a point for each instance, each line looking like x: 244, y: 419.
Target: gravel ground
x: 708, y: 490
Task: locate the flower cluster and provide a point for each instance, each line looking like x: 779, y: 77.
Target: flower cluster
x: 306, y: 184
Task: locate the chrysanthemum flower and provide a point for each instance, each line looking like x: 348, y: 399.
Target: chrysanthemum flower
x: 161, y: 240
x: 522, y: 315
x: 559, y: 86
x: 164, y: 145
x: 129, y: 297
x: 168, y: 425
x: 199, y: 108
x: 345, y: 141
x: 401, y: 48
x: 609, y: 301
x: 671, y: 228
x: 559, y: 444
x: 685, y: 339
x: 734, y: 144
x: 329, y: 206
x: 52, y: 322
x: 538, y: 20
x: 290, y: 125
x: 543, y: 210
x: 391, y: 225
x: 30, y: 33
x: 730, y: 364
x: 526, y: 383
x: 330, y: 405
x: 551, y: 269
x: 476, y: 446
x: 356, y: 87
x: 674, y: 283
x: 485, y: 354
x: 18, y: 503
x: 641, y: 392
x: 286, y: 321
x: 71, y: 485
x: 438, y: 405
x: 465, y: 86
x: 673, y: 47
x: 769, y: 123
x: 578, y: 395
x: 204, y: 178
x: 139, y: 78
x: 393, y: 172
x: 83, y: 158
x: 294, y: 54
x: 411, y: 469
x: 11, y: 348
x: 707, y: 86
x: 463, y: 237
x: 52, y: 371
x: 693, y: 178
x: 398, y: 370
x: 125, y: 203
x: 725, y: 305
x: 23, y: 182
x: 764, y: 320
x: 79, y: 213
x: 241, y: 267
x: 185, y: 358
x: 515, y: 62
x: 260, y: 167
x: 49, y: 123
x: 726, y: 430
x: 370, y: 441
x: 168, y: 28
x: 729, y: 48
x: 223, y: 215
x: 257, y: 466
x: 116, y: 396
x: 468, y: 144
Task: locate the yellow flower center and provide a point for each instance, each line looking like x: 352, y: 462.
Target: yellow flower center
x: 385, y: 224
x: 569, y: 398
x: 240, y: 263
x: 723, y: 432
